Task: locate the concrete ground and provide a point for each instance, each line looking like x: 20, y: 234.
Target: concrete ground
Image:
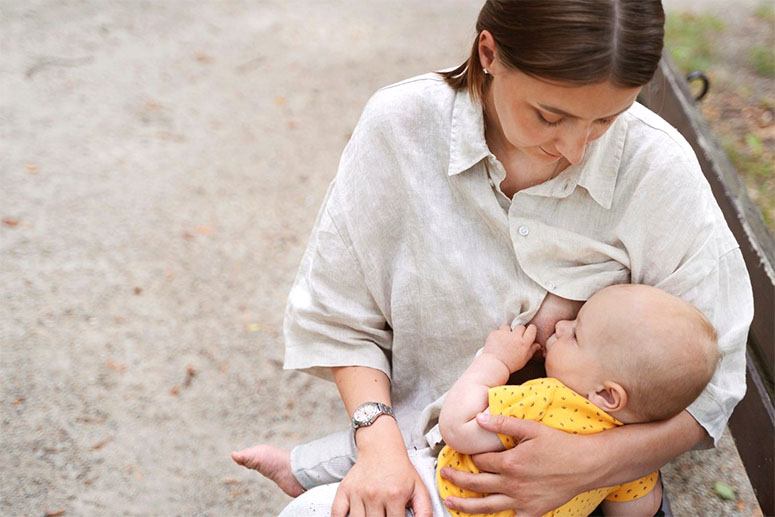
x: 162, y: 164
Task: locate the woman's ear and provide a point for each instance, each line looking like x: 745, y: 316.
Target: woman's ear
x: 487, y: 49
x: 611, y: 397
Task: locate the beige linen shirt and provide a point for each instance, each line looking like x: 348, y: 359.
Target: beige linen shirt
x: 416, y: 253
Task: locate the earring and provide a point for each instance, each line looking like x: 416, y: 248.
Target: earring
x: 486, y: 72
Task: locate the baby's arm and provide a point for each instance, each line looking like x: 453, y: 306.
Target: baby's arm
x: 505, y: 352
x: 649, y: 504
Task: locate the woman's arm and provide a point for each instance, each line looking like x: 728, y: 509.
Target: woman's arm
x: 383, y: 480
x: 505, y: 351
x: 568, y: 464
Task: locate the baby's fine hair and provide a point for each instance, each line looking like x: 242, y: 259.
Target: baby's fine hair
x: 663, y: 355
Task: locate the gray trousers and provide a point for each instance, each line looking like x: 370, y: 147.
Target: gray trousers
x: 321, y: 464
x: 323, y: 461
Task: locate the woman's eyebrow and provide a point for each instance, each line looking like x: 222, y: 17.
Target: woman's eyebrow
x: 558, y: 111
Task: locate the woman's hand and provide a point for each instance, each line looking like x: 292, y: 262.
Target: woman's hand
x: 552, y: 310
x: 547, y: 468
x: 383, y: 482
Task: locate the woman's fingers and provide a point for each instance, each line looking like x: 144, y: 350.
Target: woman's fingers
x: 357, y: 509
x: 483, y: 482
x: 395, y: 509
x: 421, y: 501
x: 479, y: 505
x: 341, y: 504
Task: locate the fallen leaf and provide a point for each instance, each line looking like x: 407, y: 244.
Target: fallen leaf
x: 203, y: 58
x: 174, y: 391
x: 231, y: 481
x: 19, y: 401
x: 724, y: 491
x: 116, y: 366
x: 54, y: 513
x: 188, y: 236
x: 292, y: 124
x: 280, y: 100
x: 10, y: 222
x: 254, y: 327
x: 100, y: 444
x: 137, y: 291
x: 31, y: 168
x: 151, y: 105
x: 740, y: 505
x: 190, y: 374
x: 204, y: 230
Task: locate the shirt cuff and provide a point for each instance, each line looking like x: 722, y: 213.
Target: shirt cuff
x: 318, y: 358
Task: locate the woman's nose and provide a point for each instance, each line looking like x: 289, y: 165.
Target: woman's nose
x: 573, y: 143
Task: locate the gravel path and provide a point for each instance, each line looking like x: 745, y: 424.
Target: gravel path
x: 162, y: 166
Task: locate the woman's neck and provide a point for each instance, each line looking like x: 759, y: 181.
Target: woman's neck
x: 522, y: 170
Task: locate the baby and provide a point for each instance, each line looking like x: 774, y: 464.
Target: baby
x: 633, y: 354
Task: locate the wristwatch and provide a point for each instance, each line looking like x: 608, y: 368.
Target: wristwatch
x: 368, y: 412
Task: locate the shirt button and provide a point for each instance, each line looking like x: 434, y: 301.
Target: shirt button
x: 550, y: 285
x: 523, y: 231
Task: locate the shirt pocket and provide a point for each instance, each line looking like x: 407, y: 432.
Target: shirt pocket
x: 569, y: 264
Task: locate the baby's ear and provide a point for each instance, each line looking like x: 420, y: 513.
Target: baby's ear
x: 611, y: 396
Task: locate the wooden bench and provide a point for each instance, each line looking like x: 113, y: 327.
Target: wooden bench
x: 753, y: 422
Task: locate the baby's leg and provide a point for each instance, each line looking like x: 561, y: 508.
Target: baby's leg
x: 320, y: 462
x: 649, y: 504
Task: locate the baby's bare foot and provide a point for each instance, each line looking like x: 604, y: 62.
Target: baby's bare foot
x: 273, y: 463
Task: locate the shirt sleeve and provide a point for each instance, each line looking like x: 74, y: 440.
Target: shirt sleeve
x: 725, y: 296
x: 331, y: 318
x: 687, y: 249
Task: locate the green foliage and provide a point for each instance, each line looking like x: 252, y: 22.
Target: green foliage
x: 762, y: 60
x: 724, y: 491
x: 765, y: 12
x: 752, y: 161
x: 689, y: 37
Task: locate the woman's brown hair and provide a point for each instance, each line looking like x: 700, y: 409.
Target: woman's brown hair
x: 569, y: 41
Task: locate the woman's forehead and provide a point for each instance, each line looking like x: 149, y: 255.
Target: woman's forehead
x: 588, y: 101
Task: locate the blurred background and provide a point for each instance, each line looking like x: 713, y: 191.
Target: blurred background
x: 162, y: 163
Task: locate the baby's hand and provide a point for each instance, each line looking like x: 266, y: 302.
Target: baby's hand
x: 514, y: 347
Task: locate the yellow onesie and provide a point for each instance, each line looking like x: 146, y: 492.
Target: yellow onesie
x: 552, y: 403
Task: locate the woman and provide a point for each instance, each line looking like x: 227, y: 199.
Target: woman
x: 519, y: 183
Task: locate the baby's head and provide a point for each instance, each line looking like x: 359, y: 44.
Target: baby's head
x: 635, y: 351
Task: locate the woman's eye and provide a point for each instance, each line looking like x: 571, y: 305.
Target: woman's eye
x: 547, y: 122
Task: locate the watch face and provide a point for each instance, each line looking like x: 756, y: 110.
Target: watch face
x: 365, y: 414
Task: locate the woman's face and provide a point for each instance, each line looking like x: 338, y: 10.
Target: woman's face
x: 548, y: 121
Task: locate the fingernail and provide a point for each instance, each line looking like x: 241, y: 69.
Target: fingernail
x: 483, y: 417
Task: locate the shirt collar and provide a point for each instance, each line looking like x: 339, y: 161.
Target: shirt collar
x: 600, y: 167
x: 467, y: 145
x: 597, y: 173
